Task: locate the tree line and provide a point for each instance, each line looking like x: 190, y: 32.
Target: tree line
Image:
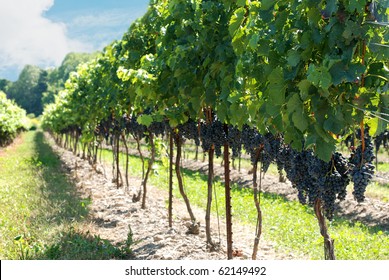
x: 36, y: 87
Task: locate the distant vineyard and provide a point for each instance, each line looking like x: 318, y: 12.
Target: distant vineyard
x: 284, y: 81
x: 12, y: 120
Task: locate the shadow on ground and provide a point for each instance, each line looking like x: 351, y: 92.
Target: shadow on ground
x: 66, y: 207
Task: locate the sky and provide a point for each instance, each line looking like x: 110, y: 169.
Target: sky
x: 42, y: 32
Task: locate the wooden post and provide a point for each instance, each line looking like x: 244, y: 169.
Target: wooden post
x: 171, y: 180
x: 228, y: 195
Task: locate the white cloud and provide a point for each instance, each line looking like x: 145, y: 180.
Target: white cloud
x: 27, y: 37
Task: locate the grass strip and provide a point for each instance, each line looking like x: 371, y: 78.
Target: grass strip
x: 41, y: 213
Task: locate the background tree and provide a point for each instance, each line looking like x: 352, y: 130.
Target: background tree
x: 23, y: 91
x: 5, y: 85
x: 57, y: 77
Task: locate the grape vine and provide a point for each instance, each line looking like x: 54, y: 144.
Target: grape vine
x: 288, y: 80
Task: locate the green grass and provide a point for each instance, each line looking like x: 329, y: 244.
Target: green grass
x: 383, y: 167
x: 378, y: 191
x: 41, y: 213
x: 288, y: 223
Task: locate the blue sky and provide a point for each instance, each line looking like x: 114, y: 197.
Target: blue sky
x: 42, y: 32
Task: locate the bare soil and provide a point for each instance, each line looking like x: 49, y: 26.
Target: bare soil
x: 113, y: 215
x: 11, y: 146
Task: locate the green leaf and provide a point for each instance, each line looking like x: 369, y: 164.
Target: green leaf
x: 267, y: 4
x: 18, y: 237
x: 319, y: 76
x: 341, y: 72
x: 333, y: 124
x: 296, y: 108
x: 294, y: 138
x: 173, y: 122
x: 373, y: 126
x: 294, y: 103
x: 355, y: 72
x: 300, y: 120
x: 293, y: 58
x: 263, y: 47
x: 324, y: 150
x: 310, y: 140
x: 281, y: 18
x: 145, y: 120
x: 222, y: 111
x: 313, y: 75
x: 241, y: 3
x: 338, y: 73
x: 272, y: 110
x: 236, y: 21
x: 314, y: 16
x: 322, y: 133
x: 356, y: 5
x: 379, y: 125
x: 253, y: 109
x: 304, y: 86
x: 278, y: 123
x: 331, y: 8
x: 276, y: 87
x: 254, y: 41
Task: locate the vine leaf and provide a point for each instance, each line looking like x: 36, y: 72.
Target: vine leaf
x: 296, y: 108
x: 276, y: 88
x: 324, y: 149
x: 145, y: 120
x: 320, y: 77
x: 267, y: 4
x: 236, y: 21
x: 293, y: 58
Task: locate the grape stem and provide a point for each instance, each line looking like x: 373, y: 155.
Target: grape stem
x: 257, y: 202
x: 362, y: 141
x: 329, y: 253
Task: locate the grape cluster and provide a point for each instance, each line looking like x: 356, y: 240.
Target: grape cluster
x: 235, y: 141
x: 102, y: 129
x: 333, y: 184
x: 342, y: 166
x: 314, y: 178
x: 382, y: 139
x: 251, y: 140
x: 135, y: 129
x: 213, y: 134
x: 271, y: 148
x: 297, y: 172
x: 362, y: 169
x: 158, y: 128
x: 189, y: 130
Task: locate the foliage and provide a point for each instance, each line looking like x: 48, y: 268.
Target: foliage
x: 316, y: 66
x: 12, y: 120
x: 27, y: 90
x: 310, y: 71
x: 4, y: 85
x: 58, y: 76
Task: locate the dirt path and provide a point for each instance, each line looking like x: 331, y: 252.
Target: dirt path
x: 11, y: 146
x: 113, y: 215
